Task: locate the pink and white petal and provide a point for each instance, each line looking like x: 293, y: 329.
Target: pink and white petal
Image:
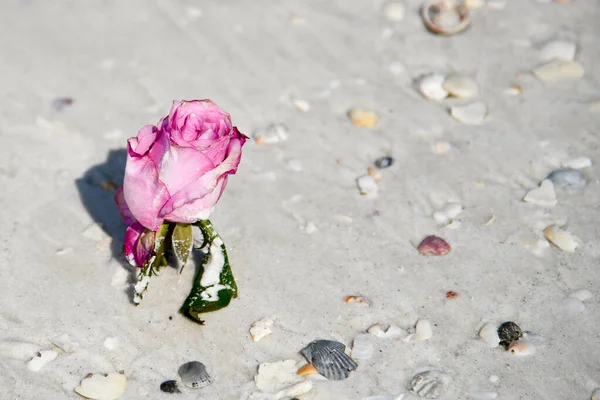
x: 145, y: 138
x: 132, y: 235
x: 200, y: 208
x: 124, y: 211
x: 143, y: 192
x: 161, y: 146
x: 144, y: 248
x: 182, y: 165
x: 215, y: 150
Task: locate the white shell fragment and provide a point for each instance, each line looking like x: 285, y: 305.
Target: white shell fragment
x: 569, y: 179
x: 543, y: 196
x: 392, y: 332
x: 429, y: 384
x: 193, y: 375
x: 362, y: 348
x: 367, y: 186
x: 44, y: 357
x: 301, y: 105
x: 558, y: 70
x: 489, y: 334
x: 470, y: 114
x: 296, y: 390
x: 521, y: 348
x: 564, y: 240
x: 394, y: 11
x: 452, y: 210
x: 329, y: 359
x: 64, y: 343
x: 583, y: 295
x: 272, y: 377
x: 432, y: 87
x: 461, y: 86
x: 261, y: 329
x: 101, y: 387
x: 273, y: 133
x: 424, y: 331
x: 577, y: 163
x: 558, y: 50
x: 111, y: 343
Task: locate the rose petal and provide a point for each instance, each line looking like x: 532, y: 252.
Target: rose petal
x: 197, y: 119
x: 144, y: 247
x: 144, y: 140
x: 182, y: 165
x: 124, y: 211
x: 132, y: 235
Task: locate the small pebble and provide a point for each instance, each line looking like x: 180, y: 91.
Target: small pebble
x: 562, y: 239
x: 424, y: 331
x: 558, y: 50
x: 577, y: 163
x: 44, y: 357
x: 363, y: 118
x: 567, y: 179
x: 301, y: 105
x: 558, y: 70
x: 432, y: 87
x: 367, y: 186
x: 384, y: 162
x: 508, y: 332
x: 460, y: 86
x: 434, y: 246
x: 471, y: 114
x: 394, y: 11
x: 362, y: 348
x: 543, y: 196
x: 451, y: 294
x: 493, y: 378
x: 193, y: 375
x: 169, y: 387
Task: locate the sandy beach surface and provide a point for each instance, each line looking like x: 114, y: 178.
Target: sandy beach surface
x: 80, y: 77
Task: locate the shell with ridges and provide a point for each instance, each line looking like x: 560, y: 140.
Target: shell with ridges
x: 329, y: 359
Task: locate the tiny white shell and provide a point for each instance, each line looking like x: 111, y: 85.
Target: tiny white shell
x: 440, y: 217
x: 362, y: 348
x: 100, y: 387
x: 558, y: 50
x: 461, y: 86
x: 521, y: 348
x: 578, y: 163
x: 489, y: 334
x: 582, y: 295
x: 452, y: 210
x: 296, y: 390
x: 261, y: 329
x: 432, y: 87
x: 394, y: 11
x: 392, y: 332
x: 543, y: 196
x: 562, y: 239
x: 558, y: 70
x: 44, y: 357
x: 424, y: 330
x: 470, y: 114
x: 367, y: 186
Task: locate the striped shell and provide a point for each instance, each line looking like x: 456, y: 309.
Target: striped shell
x: 193, y: 375
x: 329, y: 358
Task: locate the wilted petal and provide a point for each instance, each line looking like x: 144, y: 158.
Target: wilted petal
x: 132, y: 236
x: 124, y: 211
x: 144, y: 248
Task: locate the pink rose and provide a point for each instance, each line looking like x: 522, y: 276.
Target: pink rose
x: 176, y: 171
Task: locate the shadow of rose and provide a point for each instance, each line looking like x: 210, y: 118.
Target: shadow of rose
x: 96, y: 189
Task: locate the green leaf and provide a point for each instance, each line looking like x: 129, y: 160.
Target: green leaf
x: 182, y: 241
x: 214, y: 286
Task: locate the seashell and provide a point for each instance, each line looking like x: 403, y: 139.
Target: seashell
x: 64, y: 343
x: 432, y: 87
x: 513, y: 90
x: 489, y: 334
x: 558, y: 50
x: 363, y: 301
x: 434, y: 246
x: 169, y: 387
x: 558, y: 70
x: 429, y: 384
x: 445, y: 17
x: 577, y: 163
x: 521, y: 348
x: 567, y: 179
x: 384, y: 162
x: 392, y: 332
x: 273, y: 133
x: 470, y: 114
x: 272, y: 377
x: 509, y: 332
x: 582, y: 294
x: 193, y: 375
x: 329, y: 358
x: 308, y: 369
x: 440, y: 217
x: 111, y: 343
x: 451, y: 294
x: 562, y: 239
x: 367, y: 186
x: 543, y: 196
x: 41, y: 359
x: 452, y: 210
x: 363, y: 118
x: 394, y: 11
x: 424, y: 330
x: 493, y: 378
x: 362, y: 348
x: 375, y: 174
x: 102, y: 387
x: 295, y: 390
x: 261, y: 329
x: 461, y: 86
x: 301, y: 105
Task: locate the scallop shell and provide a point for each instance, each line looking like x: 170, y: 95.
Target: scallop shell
x: 423, y: 330
x: 329, y: 358
x: 444, y: 17
x: 193, y: 375
x: 100, y: 387
x: 489, y: 334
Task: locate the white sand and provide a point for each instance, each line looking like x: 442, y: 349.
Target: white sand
x: 124, y: 62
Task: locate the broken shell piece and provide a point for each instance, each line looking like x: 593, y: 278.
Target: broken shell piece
x: 558, y: 50
x: 295, y: 390
x: 392, y: 332
x: 377, y: 176
x: 193, y: 375
x: 363, y: 118
x: 362, y: 348
x: 582, y: 295
x: 394, y: 11
x: 572, y: 305
x: 261, y: 329
x: 308, y: 369
x: 329, y: 358
x: 489, y: 334
x: 301, y: 105
x: 445, y: 17
x: 367, y: 186
x: 564, y: 240
x: 363, y: 301
x: 461, y: 86
x: 43, y: 357
x: 111, y: 343
x: 452, y: 210
x: 578, y: 163
x: 470, y: 114
x: 432, y: 87
x: 169, y: 387
x: 558, y: 70
x: 434, y: 246
x: 273, y: 133
x: 423, y: 330
x: 429, y: 384
x: 521, y: 348
x: 544, y: 195
x: 272, y: 377
x: 101, y: 387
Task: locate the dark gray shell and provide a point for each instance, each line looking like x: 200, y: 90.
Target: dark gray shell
x: 329, y: 359
x: 193, y: 375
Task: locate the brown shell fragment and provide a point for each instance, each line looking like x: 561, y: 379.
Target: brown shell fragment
x: 434, y: 246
